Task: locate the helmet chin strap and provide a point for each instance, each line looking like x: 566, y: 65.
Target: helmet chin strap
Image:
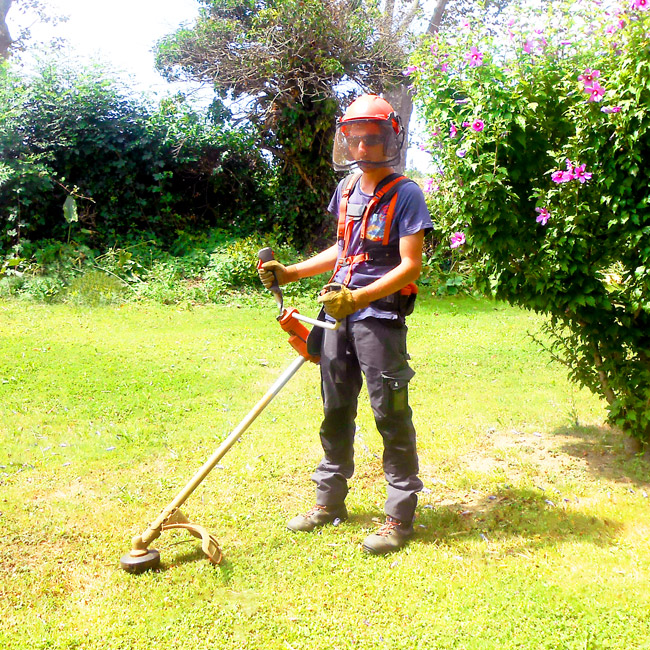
x: 376, y: 165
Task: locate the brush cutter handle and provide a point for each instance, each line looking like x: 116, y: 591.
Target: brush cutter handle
x: 323, y: 324
x: 266, y: 255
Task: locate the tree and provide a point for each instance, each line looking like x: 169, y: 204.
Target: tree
x: 285, y: 59
x: 541, y: 140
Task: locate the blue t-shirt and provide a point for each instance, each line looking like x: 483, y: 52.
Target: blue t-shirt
x: 411, y: 215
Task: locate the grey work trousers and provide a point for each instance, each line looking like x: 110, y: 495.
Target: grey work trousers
x: 377, y: 348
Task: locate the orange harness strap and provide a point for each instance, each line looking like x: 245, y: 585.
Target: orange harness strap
x: 389, y: 219
x: 374, y: 201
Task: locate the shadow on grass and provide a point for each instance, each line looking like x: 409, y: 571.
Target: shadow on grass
x: 608, y: 453
x: 171, y: 558
x: 527, y: 515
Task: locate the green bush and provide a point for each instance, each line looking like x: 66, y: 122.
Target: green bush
x: 94, y: 288
x: 123, y: 165
x: 541, y: 141
x: 212, y: 267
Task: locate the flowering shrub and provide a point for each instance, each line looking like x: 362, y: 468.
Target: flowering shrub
x: 539, y: 141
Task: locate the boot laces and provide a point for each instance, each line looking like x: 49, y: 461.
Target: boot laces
x: 314, y: 509
x: 389, y: 526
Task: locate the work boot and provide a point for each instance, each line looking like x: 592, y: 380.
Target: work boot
x: 317, y: 516
x: 391, y: 536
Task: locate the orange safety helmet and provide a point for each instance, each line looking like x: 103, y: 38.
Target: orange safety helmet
x: 363, y: 110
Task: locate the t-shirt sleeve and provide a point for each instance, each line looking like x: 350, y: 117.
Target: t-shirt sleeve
x: 333, y: 207
x: 413, y: 210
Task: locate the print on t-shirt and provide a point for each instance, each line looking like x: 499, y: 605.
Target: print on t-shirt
x: 377, y: 224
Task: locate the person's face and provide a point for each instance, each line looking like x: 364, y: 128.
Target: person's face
x: 366, y: 142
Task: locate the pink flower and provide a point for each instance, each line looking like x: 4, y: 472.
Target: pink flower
x: 410, y: 69
x: 562, y: 177
x: 474, y: 57
x: 453, y: 131
x: 543, y: 215
x: 466, y: 124
x: 430, y: 185
x: 611, y: 29
x: 444, y: 67
x: 639, y: 5
x: 457, y: 239
x: 528, y: 46
x: 611, y: 109
x: 573, y: 172
x: 580, y: 174
x: 478, y: 125
x: 588, y: 77
x: 596, y: 92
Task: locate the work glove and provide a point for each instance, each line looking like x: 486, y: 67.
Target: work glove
x: 267, y: 271
x: 339, y: 302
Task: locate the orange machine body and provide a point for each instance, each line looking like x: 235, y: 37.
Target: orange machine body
x: 297, y: 332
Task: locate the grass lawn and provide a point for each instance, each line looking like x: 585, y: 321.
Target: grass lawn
x: 533, y: 528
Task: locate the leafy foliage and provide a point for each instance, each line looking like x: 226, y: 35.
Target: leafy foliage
x: 79, y: 154
x: 194, y: 268
x: 541, y: 141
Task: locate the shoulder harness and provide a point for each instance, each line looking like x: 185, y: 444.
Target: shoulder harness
x: 380, y: 253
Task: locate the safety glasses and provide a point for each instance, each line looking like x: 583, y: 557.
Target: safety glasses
x: 368, y: 140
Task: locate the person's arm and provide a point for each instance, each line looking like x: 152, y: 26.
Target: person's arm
x: 408, y: 270
x: 324, y: 261
x: 274, y: 271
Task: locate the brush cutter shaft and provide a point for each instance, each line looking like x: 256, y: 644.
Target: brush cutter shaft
x: 154, y: 530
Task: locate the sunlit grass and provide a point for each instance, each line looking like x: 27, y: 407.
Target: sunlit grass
x: 532, y: 530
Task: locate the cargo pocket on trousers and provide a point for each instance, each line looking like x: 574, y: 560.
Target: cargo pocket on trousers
x: 396, y: 386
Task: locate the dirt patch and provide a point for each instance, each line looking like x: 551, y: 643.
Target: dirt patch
x: 594, y: 457
x: 580, y: 454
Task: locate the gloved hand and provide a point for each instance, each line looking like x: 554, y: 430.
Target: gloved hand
x: 339, y: 302
x: 267, y: 270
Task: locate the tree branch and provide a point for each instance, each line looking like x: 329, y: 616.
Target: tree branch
x: 602, y: 376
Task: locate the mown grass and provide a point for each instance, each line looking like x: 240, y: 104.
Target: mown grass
x: 532, y: 530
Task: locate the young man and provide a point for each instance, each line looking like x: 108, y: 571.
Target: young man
x: 378, y: 254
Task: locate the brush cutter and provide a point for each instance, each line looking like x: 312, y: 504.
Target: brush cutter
x: 141, y: 557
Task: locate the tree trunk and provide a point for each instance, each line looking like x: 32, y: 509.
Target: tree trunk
x: 436, y: 18
x: 5, y: 36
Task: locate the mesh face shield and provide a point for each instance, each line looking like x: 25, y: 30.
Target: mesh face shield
x: 377, y: 145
